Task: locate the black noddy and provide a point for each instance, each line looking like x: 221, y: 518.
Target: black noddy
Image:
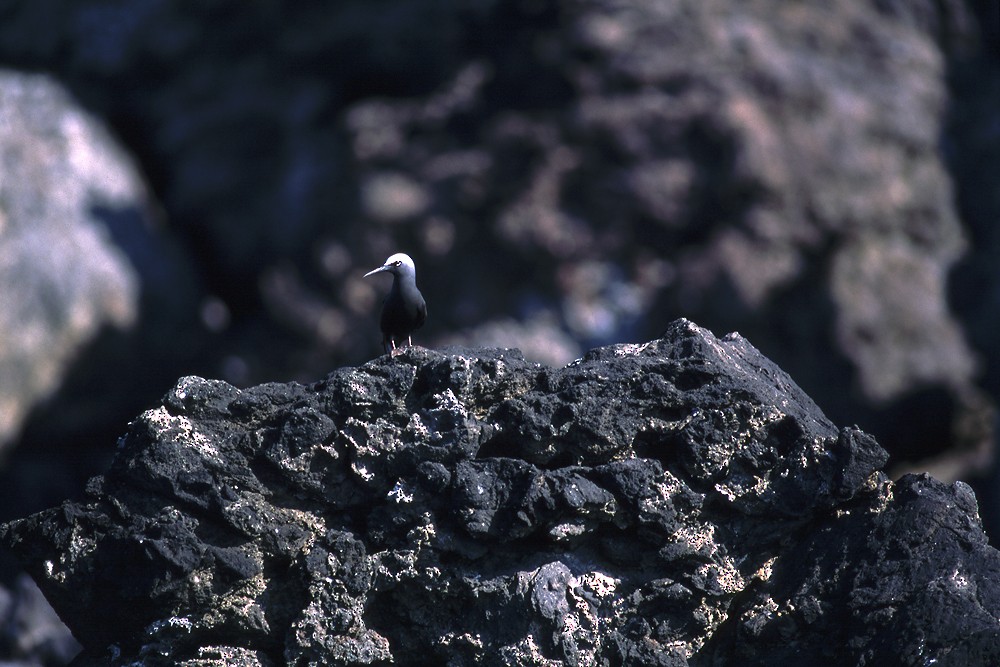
x: 404, y: 309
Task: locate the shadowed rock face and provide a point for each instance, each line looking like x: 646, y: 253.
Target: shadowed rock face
x: 678, y: 502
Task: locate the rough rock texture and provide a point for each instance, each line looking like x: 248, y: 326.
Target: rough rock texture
x: 680, y: 502
x: 567, y: 174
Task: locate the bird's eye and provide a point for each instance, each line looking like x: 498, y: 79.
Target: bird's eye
x: 397, y: 263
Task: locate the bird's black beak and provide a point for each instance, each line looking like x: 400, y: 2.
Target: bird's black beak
x: 378, y: 270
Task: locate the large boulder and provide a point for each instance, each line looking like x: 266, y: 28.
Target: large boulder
x: 62, y: 277
x: 679, y: 502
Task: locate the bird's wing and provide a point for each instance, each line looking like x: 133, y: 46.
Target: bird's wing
x: 421, y: 314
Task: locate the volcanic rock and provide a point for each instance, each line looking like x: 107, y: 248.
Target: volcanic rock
x: 679, y: 502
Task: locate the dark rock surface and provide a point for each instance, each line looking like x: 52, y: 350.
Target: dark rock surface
x: 680, y: 502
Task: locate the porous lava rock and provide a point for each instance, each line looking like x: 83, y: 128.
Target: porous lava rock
x: 679, y: 502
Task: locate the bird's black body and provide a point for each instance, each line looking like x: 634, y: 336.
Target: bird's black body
x: 404, y: 309
x: 403, y: 312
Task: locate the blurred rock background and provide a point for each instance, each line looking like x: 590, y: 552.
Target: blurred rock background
x: 198, y: 189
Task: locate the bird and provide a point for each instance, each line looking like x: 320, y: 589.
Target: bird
x: 404, y: 309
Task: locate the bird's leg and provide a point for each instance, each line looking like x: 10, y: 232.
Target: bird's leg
x: 409, y: 341
x: 395, y: 350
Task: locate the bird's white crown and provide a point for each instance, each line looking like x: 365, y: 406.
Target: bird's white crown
x: 402, y: 258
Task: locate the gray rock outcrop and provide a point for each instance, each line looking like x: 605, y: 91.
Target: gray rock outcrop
x: 62, y: 278
x: 680, y: 502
